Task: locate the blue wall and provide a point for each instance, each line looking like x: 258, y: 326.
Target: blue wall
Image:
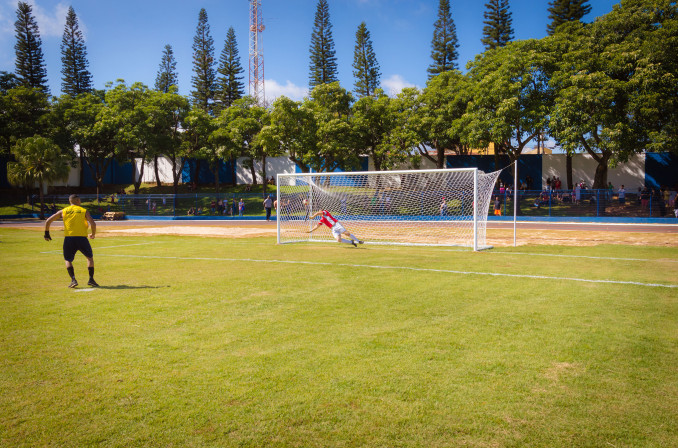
x: 527, y: 165
x: 116, y: 173
x: 205, y: 176
x: 661, y: 170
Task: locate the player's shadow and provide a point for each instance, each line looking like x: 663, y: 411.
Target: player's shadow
x: 130, y: 287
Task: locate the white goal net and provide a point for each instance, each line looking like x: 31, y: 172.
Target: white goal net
x: 423, y: 207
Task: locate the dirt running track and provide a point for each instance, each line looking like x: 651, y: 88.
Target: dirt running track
x: 498, y: 233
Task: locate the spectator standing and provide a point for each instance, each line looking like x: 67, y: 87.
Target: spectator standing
x: 443, y: 207
x: 622, y: 195
x: 497, y: 206
x: 241, y: 207
x: 268, y: 203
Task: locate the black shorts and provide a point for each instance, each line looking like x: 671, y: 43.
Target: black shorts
x: 72, y: 244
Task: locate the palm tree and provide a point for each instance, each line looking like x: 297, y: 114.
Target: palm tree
x: 39, y: 160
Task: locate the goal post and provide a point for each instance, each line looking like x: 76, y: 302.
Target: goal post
x: 446, y: 207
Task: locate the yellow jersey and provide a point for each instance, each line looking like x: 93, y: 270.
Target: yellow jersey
x: 75, y: 222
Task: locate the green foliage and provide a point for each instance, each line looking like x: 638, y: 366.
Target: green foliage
x: 167, y: 72
x: 323, y: 61
x: 510, y: 97
x: 365, y: 65
x: 230, y: 86
x: 330, y: 105
x: 23, y: 115
x: 37, y: 160
x: 204, y: 77
x: 498, y: 29
x: 373, y: 123
x: 443, y: 105
x: 615, y: 83
x: 563, y: 11
x: 444, y: 43
x: 292, y: 131
x: 30, y: 62
x: 76, y: 78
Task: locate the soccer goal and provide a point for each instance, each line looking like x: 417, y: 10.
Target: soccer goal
x: 415, y: 207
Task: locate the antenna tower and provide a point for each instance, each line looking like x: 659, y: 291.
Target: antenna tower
x: 257, y: 53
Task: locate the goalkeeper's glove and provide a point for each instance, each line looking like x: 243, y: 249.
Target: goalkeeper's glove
x: 47, y: 237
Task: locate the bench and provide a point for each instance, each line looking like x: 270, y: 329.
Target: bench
x: 113, y: 216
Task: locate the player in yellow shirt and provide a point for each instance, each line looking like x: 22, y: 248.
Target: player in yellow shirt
x: 76, y: 220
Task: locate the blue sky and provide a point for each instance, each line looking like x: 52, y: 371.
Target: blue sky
x: 125, y: 38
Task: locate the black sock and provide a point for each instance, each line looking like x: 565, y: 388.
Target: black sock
x: 71, y: 272
x: 91, y: 272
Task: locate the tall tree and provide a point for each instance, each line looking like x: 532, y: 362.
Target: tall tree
x: 167, y: 80
x: 76, y: 78
x: 203, y: 79
x: 365, y: 65
x: 323, y: 66
x: 30, y: 63
x: 39, y: 160
x: 498, y: 29
x: 444, y: 44
x: 167, y: 72
x: 230, y: 86
x: 562, y: 11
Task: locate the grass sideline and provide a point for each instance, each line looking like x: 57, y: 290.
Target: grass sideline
x: 214, y: 352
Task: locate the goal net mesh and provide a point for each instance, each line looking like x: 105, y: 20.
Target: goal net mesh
x: 426, y: 207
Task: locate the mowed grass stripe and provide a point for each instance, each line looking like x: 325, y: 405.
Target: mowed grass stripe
x: 203, y: 354
x: 407, y: 268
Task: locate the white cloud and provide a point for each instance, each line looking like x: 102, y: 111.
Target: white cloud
x: 394, y: 84
x: 290, y: 90
x: 51, y: 23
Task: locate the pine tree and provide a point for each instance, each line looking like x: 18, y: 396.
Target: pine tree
x: 30, y: 63
x: 365, y: 65
x: 561, y: 11
x: 323, y: 67
x: 167, y: 72
x: 203, y: 80
x: 230, y: 86
x: 444, y: 44
x: 498, y: 30
x: 76, y: 78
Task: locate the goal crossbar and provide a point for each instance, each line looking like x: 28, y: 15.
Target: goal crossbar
x: 403, y: 207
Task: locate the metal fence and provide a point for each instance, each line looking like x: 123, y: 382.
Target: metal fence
x: 167, y: 205
x: 536, y: 203
x: 586, y: 203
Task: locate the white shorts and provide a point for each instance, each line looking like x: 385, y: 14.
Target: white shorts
x: 337, y: 229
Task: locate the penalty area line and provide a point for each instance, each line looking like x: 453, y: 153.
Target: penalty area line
x: 405, y: 268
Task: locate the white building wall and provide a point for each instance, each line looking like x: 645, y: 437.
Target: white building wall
x: 630, y: 174
x: 274, y: 165
x: 164, y: 170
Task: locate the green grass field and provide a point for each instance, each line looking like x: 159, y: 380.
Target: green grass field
x: 207, y: 342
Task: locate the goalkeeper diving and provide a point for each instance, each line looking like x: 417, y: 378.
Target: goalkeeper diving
x: 335, y: 227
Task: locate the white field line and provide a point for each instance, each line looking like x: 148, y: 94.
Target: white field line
x: 406, y: 268
x: 103, y: 247
x: 564, y: 256
x: 84, y: 290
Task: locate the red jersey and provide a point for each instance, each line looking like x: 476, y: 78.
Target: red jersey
x: 328, y: 219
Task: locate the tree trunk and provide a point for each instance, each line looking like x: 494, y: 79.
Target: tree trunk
x: 42, y: 201
x: 175, y: 176
x: 81, y: 183
x: 234, y: 171
x: 600, y: 179
x: 155, y: 166
x: 137, y: 182
x: 568, y: 171
x: 254, y: 172
x: 440, y: 162
x: 216, y: 178
x: 263, y: 171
